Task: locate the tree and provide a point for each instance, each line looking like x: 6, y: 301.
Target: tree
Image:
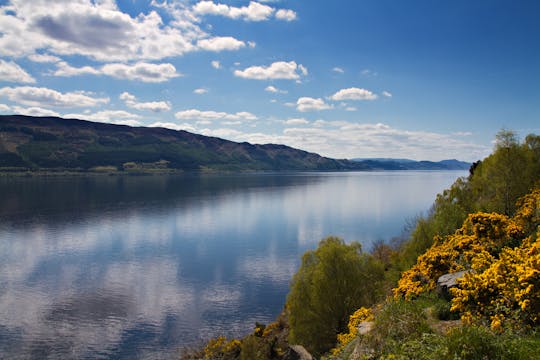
x: 505, y: 175
x: 333, y: 281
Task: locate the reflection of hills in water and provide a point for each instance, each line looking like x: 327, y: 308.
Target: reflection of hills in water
x: 50, y: 197
x: 134, y: 267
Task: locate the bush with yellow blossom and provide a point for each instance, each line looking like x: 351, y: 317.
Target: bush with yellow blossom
x: 359, y: 316
x: 502, y: 287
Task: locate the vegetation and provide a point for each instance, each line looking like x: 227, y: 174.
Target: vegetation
x: 333, y: 281
x: 486, y: 225
x: 494, y: 185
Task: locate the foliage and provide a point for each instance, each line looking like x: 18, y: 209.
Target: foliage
x: 464, y: 343
x: 333, y: 281
x: 398, y: 321
x: 494, y: 185
x: 359, y: 316
x: 506, y: 290
x: 221, y: 348
x: 502, y: 286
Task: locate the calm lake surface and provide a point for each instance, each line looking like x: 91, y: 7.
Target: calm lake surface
x: 137, y: 267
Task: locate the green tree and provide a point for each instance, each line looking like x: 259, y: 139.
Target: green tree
x: 505, y: 175
x: 333, y: 281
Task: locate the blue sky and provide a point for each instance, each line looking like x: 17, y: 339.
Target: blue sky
x: 420, y: 79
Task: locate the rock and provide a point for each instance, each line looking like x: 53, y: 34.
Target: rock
x: 448, y: 281
x: 297, y: 352
x: 364, y: 327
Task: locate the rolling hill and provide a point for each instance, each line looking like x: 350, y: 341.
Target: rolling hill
x: 55, y: 144
x: 49, y: 143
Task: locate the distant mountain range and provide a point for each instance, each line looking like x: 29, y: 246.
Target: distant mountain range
x: 55, y: 144
x: 407, y: 164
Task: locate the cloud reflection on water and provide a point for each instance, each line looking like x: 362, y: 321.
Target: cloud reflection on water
x: 138, y: 267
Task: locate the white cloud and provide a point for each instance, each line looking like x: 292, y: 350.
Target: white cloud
x: 297, y: 121
x: 353, y: 94
x: 141, y: 71
x: 44, y: 58
x: 194, y: 114
x: 12, y: 72
x: 64, y: 69
x: 155, y: 106
x: 342, y: 139
x: 285, y: 14
x: 220, y: 43
x: 99, y: 30
x: 34, y: 111
x: 4, y: 108
x: 462, y: 133
x: 275, y: 90
x: 253, y: 12
x: 40, y: 96
x: 277, y: 70
x: 386, y: 94
x: 145, y: 72
x: 118, y: 117
x: 173, y: 126
x: 200, y: 91
x: 338, y: 70
x: 216, y: 64
x: 304, y: 104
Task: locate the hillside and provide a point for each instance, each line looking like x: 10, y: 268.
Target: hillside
x: 407, y: 164
x: 49, y: 143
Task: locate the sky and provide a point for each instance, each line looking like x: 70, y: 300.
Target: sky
x: 418, y: 79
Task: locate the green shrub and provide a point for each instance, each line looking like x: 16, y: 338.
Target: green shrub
x: 333, y: 281
x: 397, y: 322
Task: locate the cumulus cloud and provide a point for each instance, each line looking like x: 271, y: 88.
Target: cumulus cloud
x: 66, y: 70
x: 44, y: 58
x: 220, y: 44
x: 277, y: 70
x: 34, y: 111
x: 173, y: 126
x: 118, y: 117
x: 200, y: 91
x: 40, y: 96
x: 343, y: 139
x: 338, y: 70
x: 99, y: 30
x: 145, y: 72
x: 155, y: 106
x: 274, y: 90
x: 353, y: 94
x: 12, y: 72
x: 216, y: 64
x: 286, y: 14
x: 207, y: 116
x: 253, y: 12
x: 4, y: 108
x: 296, y: 121
x: 386, y: 94
x: 304, y: 104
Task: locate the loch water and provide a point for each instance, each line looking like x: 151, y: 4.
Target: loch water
x: 135, y: 267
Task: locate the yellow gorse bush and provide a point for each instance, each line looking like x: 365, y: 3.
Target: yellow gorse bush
x: 219, y: 347
x: 359, y: 316
x: 478, y: 240
x: 502, y: 288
